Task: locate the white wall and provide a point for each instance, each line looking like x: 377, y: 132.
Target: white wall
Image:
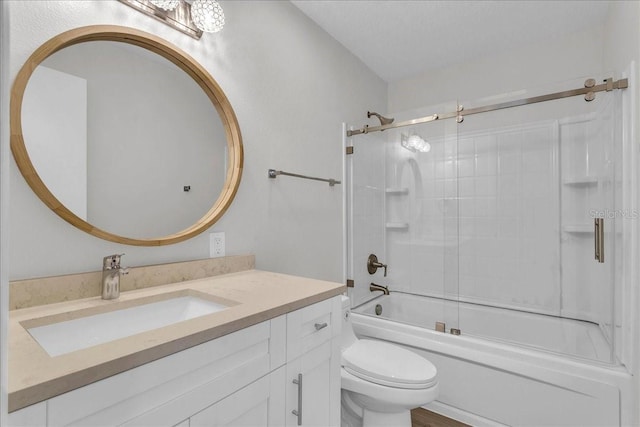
x: 54, y: 125
x: 527, y: 67
x: 291, y: 86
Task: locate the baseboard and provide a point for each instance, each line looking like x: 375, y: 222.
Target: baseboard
x: 461, y: 415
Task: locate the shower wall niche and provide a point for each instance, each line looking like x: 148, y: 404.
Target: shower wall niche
x: 497, y: 212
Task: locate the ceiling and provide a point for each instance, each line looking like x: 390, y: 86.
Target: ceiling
x: 398, y: 38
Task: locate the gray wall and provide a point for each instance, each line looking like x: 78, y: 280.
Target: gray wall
x: 291, y: 86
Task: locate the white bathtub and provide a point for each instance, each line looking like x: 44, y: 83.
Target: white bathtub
x: 516, y: 377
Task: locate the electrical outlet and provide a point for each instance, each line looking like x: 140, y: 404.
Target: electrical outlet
x: 216, y: 244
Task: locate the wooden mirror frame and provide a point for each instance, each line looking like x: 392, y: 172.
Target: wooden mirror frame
x: 176, y: 56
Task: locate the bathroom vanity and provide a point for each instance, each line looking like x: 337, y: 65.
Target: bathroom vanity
x: 254, y: 348
x: 271, y: 357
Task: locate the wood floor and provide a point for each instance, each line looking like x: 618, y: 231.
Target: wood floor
x: 422, y: 418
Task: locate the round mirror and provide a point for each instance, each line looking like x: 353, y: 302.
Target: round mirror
x: 125, y: 136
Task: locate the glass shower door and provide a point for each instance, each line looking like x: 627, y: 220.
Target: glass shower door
x: 542, y: 176
x: 403, y: 207
x: 590, y: 187
x: 365, y: 206
x: 505, y: 225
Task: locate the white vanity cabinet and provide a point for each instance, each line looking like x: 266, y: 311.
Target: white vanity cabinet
x: 313, y: 365
x: 261, y: 403
x: 240, y: 379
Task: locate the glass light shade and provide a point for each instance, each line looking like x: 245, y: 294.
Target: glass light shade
x: 165, y: 4
x: 207, y: 15
x: 415, y: 143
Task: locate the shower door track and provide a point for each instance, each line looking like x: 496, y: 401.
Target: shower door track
x: 588, y: 91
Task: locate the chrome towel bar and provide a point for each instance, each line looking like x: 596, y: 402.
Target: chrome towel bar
x: 274, y: 173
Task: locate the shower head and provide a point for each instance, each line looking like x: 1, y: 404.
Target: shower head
x: 383, y: 120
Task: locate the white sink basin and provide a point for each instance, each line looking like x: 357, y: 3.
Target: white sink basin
x: 83, y: 332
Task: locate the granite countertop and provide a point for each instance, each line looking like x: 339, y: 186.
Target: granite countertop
x: 35, y: 376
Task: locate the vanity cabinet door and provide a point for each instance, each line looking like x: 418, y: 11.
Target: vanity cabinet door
x: 34, y: 415
x: 313, y: 356
x: 313, y: 387
x: 261, y: 403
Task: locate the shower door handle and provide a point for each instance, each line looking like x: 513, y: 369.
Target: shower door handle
x: 598, y: 232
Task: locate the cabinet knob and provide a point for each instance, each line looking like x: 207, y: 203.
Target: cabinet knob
x: 320, y: 325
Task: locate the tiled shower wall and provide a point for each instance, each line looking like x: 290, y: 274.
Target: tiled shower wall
x: 489, y: 205
x: 499, y: 212
x: 508, y: 203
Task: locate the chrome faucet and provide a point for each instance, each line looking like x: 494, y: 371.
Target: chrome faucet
x: 384, y: 289
x: 111, y: 272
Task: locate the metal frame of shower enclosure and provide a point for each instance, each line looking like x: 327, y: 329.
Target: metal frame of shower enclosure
x: 589, y: 90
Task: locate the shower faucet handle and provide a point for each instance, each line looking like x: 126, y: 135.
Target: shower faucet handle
x: 373, y: 265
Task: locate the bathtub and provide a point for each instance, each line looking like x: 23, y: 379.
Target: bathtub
x: 532, y: 370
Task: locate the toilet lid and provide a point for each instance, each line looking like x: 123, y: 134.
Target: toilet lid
x: 388, y: 364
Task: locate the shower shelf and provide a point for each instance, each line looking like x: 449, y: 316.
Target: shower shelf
x: 578, y: 228
x: 579, y: 181
x: 397, y: 225
x: 582, y: 229
x: 397, y: 191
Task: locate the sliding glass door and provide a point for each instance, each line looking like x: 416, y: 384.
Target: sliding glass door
x: 506, y: 223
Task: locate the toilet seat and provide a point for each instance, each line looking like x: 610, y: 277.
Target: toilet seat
x: 389, y: 365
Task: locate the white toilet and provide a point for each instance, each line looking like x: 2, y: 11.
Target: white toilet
x: 381, y: 382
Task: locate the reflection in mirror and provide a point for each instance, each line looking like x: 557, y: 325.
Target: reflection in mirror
x: 118, y: 133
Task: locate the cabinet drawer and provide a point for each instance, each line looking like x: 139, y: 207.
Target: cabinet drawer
x: 172, y: 388
x: 312, y: 326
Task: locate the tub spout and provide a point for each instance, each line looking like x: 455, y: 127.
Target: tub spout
x: 384, y: 289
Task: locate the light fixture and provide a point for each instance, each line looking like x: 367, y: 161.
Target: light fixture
x: 414, y: 143
x: 207, y: 15
x: 165, y: 4
x: 191, y: 17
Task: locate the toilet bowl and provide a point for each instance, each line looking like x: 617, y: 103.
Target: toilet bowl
x: 381, y: 382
